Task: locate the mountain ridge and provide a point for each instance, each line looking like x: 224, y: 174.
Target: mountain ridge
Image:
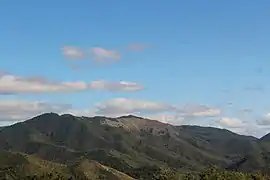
x: 133, y: 117
x: 129, y: 142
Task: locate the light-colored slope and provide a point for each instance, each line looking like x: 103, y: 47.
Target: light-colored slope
x: 95, y: 170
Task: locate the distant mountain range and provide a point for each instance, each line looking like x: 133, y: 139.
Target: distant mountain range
x: 122, y: 148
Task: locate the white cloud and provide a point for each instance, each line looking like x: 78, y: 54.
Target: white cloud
x: 82, y: 112
x: 117, y: 107
x: 207, y: 113
x: 18, y: 110
x: 100, y: 54
x: 198, y: 110
x: 255, y: 131
x: 150, y: 109
x: 115, y: 86
x: 10, y: 84
x: 172, y: 118
x: 130, y: 106
x: 231, y: 122
x: 265, y: 120
x: 14, y: 110
x: 74, y: 53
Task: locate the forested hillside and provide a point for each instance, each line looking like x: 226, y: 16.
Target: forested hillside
x: 127, y: 147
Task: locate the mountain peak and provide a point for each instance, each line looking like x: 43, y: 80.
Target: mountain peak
x: 67, y: 115
x: 130, y: 116
x: 47, y: 114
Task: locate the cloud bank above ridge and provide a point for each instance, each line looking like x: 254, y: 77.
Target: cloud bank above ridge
x: 11, y: 84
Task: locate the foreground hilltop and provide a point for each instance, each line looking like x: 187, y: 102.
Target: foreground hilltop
x: 21, y: 166
x: 129, y: 143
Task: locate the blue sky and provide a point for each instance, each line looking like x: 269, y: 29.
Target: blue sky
x: 191, y: 52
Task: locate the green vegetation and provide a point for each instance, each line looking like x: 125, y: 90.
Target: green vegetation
x: 17, y: 166
x: 213, y: 174
x: 66, y: 147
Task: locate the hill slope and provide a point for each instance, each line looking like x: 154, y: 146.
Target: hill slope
x: 17, y: 166
x: 128, y: 143
x: 256, y: 160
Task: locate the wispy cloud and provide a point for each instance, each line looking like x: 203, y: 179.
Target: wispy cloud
x: 151, y: 109
x: 237, y: 125
x: 198, y: 110
x: 170, y: 118
x: 228, y: 122
x: 265, y: 120
x: 115, y: 86
x: 73, y: 53
x: 18, y: 110
x: 100, y: 54
x: 130, y: 106
x: 15, y: 110
x: 10, y: 84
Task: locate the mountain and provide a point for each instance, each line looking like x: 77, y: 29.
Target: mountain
x: 130, y: 143
x: 256, y: 160
x: 265, y: 138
